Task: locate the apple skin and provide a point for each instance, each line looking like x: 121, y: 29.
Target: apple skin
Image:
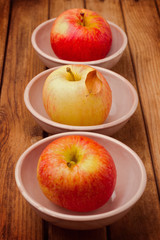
x: 71, y: 102
x: 74, y: 41
x: 76, y: 173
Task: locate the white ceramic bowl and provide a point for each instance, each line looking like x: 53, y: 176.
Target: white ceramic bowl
x: 130, y: 185
x: 41, y: 43
x: 124, y: 104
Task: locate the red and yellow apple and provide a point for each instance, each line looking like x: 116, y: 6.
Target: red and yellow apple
x: 80, y: 35
x: 77, y: 95
x: 76, y: 173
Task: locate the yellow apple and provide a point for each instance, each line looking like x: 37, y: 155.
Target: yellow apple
x: 77, y: 95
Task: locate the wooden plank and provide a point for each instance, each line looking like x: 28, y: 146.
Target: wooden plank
x: 158, y: 5
x: 4, y: 13
x: 142, y: 22
x: 57, y: 233
x: 133, y: 135
x: 18, y: 129
x: 56, y: 8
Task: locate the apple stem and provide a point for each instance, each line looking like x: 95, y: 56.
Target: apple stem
x: 71, y: 73
x: 70, y: 164
x: 82, y: 18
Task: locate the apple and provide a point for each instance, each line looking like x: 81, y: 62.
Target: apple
x: 76, y: 173
x: 80, y: 35
x: 77, y: 95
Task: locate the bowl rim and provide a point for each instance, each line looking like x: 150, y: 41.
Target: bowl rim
x: 81, y: 128
x: 61, y: 61
x: 77, y: 217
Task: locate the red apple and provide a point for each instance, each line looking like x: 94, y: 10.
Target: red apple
x: 80, y: 35
x: 77, y: 95
x: 76, y: 173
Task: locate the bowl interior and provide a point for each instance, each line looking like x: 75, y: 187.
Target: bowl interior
x: 123, y: 96
x: 43, y: 36
x: 129, y: 176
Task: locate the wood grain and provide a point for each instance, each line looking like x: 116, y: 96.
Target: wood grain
x: 4, y: 13
x: 57, y: 233
x: 18, y: 130
x: 135, y: 136
x: 142, y: 23
x: 19, y: 64
x: 57, y: 7
x: 158, y: 5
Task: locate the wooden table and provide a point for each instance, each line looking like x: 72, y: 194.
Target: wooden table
x: 19, y: 63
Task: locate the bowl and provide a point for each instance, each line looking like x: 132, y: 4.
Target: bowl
x: 130, y: 185
x: 41, y: 43
x: 124, y: 104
